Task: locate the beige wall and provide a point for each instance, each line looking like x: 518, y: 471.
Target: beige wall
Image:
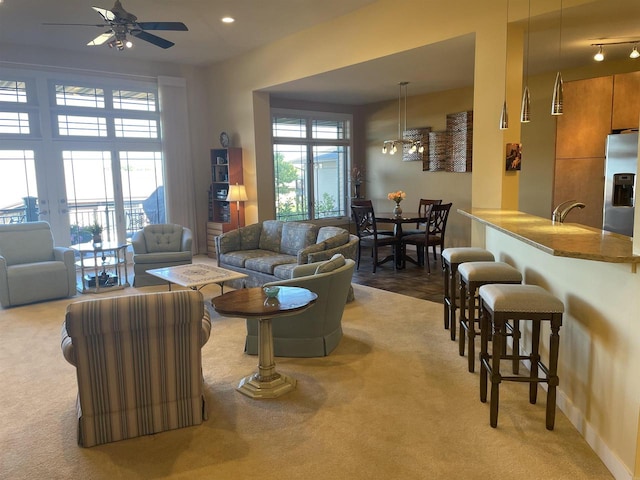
x: 385, y: 173
x: 231, y: 83
x: 599, y: 389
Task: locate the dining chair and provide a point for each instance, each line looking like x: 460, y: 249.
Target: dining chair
x: 368, y: 234
x: 423, y: 212
x: 433, y: 236
x: 361, y: 202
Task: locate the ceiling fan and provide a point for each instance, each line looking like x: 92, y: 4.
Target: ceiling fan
x: 121, y: 23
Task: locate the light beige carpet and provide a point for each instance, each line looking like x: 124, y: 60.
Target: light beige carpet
x: 393, y: 401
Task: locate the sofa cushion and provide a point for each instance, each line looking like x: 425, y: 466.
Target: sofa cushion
x: 266, y: 264
x: 238, y: 258
x: 163, y: 237
x: 332, y: 237
x: 284, y: 271
x: 270, y: 235
x: 296, y: 236
x: 164, y: 257
x: 336, y: 262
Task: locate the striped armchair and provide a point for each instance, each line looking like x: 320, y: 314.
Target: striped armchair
x: 138, y: 363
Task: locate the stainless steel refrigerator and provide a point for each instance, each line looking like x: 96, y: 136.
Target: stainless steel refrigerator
x: 621, y: 168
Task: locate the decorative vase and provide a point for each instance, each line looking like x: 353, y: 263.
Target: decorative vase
x: 97, y: 239
x: 397, y: 210
x: 357, y: 187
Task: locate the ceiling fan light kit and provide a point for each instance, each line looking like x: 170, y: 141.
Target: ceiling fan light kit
x: 120, y: 24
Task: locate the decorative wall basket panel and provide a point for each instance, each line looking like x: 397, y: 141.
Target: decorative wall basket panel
x: 460, y: 129
x: 416, y: 135
x: 438, y: 152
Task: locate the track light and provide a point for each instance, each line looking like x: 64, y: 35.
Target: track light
x: 128, y: 44
x: 598, y: 57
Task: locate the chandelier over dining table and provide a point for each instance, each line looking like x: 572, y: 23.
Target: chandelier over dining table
x: 391, y: 146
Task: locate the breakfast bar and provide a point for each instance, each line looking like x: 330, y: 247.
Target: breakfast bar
x: 594, y: 273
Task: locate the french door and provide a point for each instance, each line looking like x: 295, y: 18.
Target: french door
x: 78, y: 151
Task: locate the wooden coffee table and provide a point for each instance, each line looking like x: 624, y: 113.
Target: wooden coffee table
x: 253, y: 303
x: 196, y: 275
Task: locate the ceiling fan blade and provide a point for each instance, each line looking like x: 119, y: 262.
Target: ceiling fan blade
x: 148, y: 37
x: 79, y: 24
x: 108, y: 15
x: 176, y: 26
x: 101, y: 39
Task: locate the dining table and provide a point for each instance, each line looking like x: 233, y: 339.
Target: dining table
x: 398, y: 220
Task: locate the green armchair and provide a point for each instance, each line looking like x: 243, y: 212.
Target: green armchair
x: 158, y: 246
x: 31, y: 268
x: 316, y: 332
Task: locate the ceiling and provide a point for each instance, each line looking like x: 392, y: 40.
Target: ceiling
x: 440, y: 66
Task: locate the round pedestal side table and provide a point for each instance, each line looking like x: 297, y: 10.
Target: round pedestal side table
x: 253, y: 303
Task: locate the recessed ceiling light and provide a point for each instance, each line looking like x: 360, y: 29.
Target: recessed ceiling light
x: 228, y: 19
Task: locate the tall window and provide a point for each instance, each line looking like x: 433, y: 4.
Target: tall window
x: 95, y: 177
x: 18, y: 188
x: 98, y: 157
x: 311, y: 154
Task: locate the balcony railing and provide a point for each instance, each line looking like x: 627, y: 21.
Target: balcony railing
x: 82, y: 215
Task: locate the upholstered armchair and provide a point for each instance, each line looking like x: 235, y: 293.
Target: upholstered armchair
x: 158, y: 246
x: 316, y: 332
x: 138, y: 363
x: 31, y: 268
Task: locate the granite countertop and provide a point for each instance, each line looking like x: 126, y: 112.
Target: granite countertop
x: 559, y: 239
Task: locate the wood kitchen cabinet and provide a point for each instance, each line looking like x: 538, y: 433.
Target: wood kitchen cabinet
x: 626, y: 101
x: 583, y: 128
x: 593, y: 108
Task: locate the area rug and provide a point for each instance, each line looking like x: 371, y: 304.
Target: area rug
x: 393, y: 401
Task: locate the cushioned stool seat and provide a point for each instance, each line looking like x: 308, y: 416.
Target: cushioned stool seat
x: 451, y: 258
x: 472, y: 276
x: 499, y: 304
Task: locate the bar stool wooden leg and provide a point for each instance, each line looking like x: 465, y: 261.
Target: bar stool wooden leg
x: 556, y: 322
x: 451, y: 324
x: 535, y: 361
x: 447, y: 294
x: 497, y: 347
x: 463, y: 319
x: 485, y: 325
x: 515, y: 337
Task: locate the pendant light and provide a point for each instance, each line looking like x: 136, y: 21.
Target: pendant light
x: 391, y: 146
x: 504, y: 114
x: 525, y: 109
x: 557, y: 105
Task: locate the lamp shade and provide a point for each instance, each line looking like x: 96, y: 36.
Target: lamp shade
x: 237, y: 193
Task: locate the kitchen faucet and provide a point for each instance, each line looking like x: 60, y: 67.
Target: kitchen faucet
x: 563, y: 209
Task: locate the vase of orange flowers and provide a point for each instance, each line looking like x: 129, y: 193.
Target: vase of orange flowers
x: 397, y: 197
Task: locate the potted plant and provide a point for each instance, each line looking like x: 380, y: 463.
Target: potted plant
x: 96, y: 231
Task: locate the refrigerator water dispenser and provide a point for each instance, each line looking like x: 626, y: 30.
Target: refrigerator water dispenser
x: 623, y: 189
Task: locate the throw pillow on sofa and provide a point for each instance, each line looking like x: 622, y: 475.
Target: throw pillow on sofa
x: 336, y: 262
x: 332, y: 237
x: 270, y: 235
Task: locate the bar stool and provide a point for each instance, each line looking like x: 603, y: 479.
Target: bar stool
x: 451, y: 258
x: 472, y: 276
x: 500, y: 303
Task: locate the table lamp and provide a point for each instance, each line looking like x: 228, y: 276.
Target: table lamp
x: 237, y: 193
